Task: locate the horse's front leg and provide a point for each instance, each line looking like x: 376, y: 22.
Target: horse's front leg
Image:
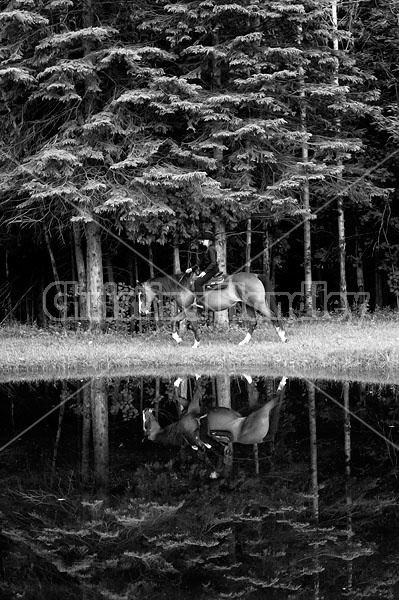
x: 193, y: 322
x: 179, y: 317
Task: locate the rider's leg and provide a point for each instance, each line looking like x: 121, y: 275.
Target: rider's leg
x: 198, y: 290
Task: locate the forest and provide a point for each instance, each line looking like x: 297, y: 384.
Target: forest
x: 126, y: 127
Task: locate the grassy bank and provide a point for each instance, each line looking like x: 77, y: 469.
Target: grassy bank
x: 358, y: 349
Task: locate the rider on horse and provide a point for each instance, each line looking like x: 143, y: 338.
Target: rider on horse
x: 208, y: 264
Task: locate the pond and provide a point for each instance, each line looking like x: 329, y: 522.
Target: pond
x: 98, y: 502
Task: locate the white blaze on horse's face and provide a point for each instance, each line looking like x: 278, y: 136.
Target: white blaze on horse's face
x: 146, y: 296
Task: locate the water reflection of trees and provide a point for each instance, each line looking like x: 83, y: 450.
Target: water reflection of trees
x: 304, y: 527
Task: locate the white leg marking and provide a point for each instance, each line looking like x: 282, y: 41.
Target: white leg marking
x: 282, y: 383
x: 245, y: 340
x: 177, y: 382
x: 247, y: 377
x: 196, y: 344
x: 140, y: 302
x: 176, y: 337
x: 281, y: 334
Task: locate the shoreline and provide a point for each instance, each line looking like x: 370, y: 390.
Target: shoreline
x: 356, y: 350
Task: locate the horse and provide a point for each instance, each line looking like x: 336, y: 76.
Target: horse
x: 220, y: 424
x: 244, y: 287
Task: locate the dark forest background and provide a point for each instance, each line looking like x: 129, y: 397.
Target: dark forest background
x: 128, y: 127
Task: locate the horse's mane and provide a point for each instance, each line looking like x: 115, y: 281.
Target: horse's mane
x: 171, y: 283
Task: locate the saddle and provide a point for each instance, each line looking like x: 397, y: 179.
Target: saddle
x: 216, y: 281
x: 206, y: 433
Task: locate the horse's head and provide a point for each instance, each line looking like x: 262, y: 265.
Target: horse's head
x: 146, y: 296
x: 150, y: 425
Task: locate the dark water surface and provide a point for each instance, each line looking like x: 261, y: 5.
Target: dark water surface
x: 90, y: 508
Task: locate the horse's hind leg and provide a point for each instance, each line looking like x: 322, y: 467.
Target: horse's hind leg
x: 273, y: 318
x: 251, y: 314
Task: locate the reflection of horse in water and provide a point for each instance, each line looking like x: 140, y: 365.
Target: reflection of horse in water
x: 219, y: 424
x: 246, y: 288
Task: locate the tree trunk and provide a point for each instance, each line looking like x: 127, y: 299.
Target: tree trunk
x: 151, y: 261
x: 340, y: 204
x: 176, y: 270
x: 64, y: 395
x: 266, y: 249
x: 157, y: 396
x: 111, y: 307
x: 253, y: 398
x: 61, y: 300
x: 8, y: 280
x: 377, y: 279
x: 156, y: 303
x: 248, y: 246
x: 313, y: 450
x: 80, y: 269
x: 87, y: 21
x: 95, y: 282
x: 40, y: 308
x: 342, y: 255
x: 307, y: 243
x: 221, y: 318
x: 86, y: 429
x: 216, y: 68
x: 176, y: 259
x: 347, y: 447
x: 359, y: 270
x: 360, y: 276
x: 134, y: 281
x: 109, y: 270
x: 133, y: 272
x: 348, y: 482
x: 99, y: 411
x: 223, y: 391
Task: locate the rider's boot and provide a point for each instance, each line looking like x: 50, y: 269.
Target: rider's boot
x: 198, y: 297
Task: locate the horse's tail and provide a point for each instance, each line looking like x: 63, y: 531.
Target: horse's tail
x: 270, y: 296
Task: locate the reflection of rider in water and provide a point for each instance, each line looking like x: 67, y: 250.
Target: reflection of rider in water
x: 208, y: 264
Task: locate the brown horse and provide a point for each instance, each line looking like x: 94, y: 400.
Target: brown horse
x: 246, y: 288
x: 219, y: 424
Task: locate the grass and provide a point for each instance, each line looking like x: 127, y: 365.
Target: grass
x: 358, y: 349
